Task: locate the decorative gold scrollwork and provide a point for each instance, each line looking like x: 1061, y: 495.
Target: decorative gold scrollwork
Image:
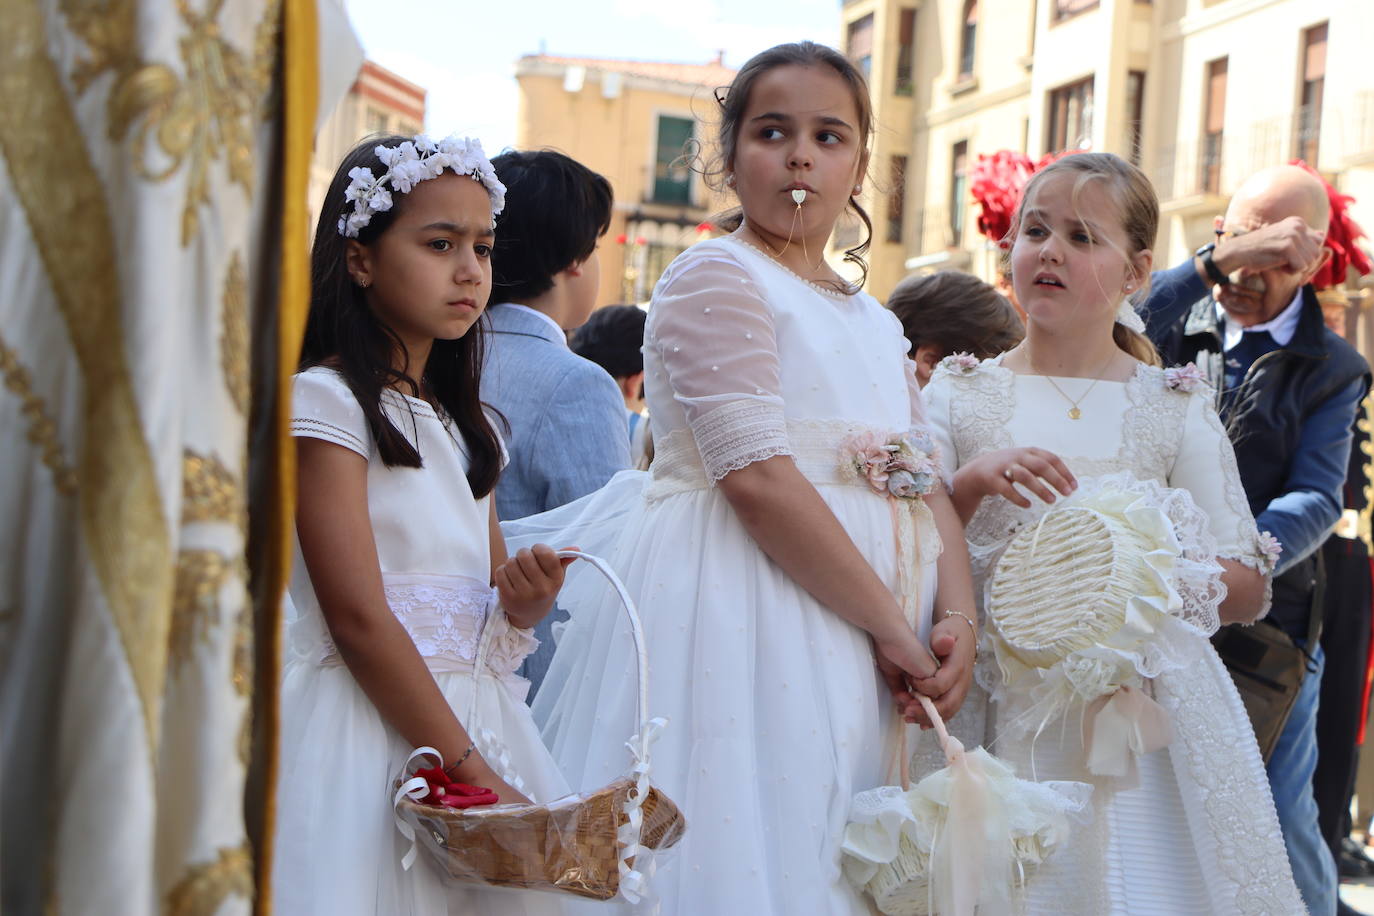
x: 205, y: 887
x: 196, y: 117
x: 42, y: 430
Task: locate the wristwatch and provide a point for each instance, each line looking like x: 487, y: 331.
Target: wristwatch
x: 1214, y: 273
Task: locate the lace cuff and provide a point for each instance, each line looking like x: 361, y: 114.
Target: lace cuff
x: 738, y: 434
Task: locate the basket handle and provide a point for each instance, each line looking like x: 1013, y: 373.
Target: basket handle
x: 636, y: 630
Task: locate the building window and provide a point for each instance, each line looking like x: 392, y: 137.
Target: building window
x: 859, y: 44
x: 1135, y: 114
x: 1214, y: 123
x: 968, y: 38
x: 1067, y: 9
x: 896, y: 199
x: 1071, y: 117
x: 906, y: 36
x: 958, y: 190
x: 672, y: 177
x: 1309, y: 126
x: 375, y: 121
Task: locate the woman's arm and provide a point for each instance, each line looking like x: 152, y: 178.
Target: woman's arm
x: 785, y: 515
x: 340, y: 553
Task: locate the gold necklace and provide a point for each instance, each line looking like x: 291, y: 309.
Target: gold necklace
x: 1074, y: 412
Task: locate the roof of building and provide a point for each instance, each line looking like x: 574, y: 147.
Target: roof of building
x: 714, y: 73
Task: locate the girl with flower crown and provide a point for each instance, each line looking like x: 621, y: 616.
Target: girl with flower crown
x: 1071, y: 450
x: 398, y: 560
x: 787, y: 540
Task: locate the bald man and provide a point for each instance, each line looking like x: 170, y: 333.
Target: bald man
x: 1287, y: 390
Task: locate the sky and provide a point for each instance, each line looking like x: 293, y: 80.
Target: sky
x: 464, y: 53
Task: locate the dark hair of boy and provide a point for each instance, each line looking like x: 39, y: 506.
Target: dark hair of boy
x: 556, y: 209
x: 343, y: 333
x: 612, y: 338
x: 954, y: 312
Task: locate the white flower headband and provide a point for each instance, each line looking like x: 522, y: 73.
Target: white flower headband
x: 410, y: 163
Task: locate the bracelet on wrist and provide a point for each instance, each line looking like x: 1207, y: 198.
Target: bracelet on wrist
x: 452, y: 769
x: 971, y: 625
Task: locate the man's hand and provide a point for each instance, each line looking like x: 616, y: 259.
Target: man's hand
x: 1290, y: 244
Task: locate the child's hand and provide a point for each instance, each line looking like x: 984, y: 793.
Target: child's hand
x: 528, y: 582
x: 902, y: 661
x: 993, y: 473
x: 952, y: 641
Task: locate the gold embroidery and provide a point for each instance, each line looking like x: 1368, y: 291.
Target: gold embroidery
x: 122, y: 522
x: 233, y: 338
x: 42, y: 431
x: 195, y: 119
x: 205, y: 887
x: 209, y: 490
x: 201, y: 575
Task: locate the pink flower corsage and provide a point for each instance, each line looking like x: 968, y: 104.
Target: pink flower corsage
x: 904, y: 466
x: 1270, y: 551
x: 1186, y: 378
x: 961, y: 362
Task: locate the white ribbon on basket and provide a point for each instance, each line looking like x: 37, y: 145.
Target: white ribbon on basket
x: 416, y: 787
x: 634, y: 882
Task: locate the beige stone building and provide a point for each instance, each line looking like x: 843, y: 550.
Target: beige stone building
x: 1200, y: 93
x: 379, y: 102
x: 630, y: 121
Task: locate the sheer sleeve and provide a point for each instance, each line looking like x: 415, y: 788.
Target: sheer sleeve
x: 714, y: 335
x: 323, y: 407
x: 1206, y: 467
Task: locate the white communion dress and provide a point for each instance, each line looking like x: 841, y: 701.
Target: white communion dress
x: 775, y: 714
x: 1196, y: 833
x: 337, y: 847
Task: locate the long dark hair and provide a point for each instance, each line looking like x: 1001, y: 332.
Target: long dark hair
x: 733, y: 99
x: 343, y: 333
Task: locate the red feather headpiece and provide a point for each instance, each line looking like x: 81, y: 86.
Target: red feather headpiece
x: 1341, y: 236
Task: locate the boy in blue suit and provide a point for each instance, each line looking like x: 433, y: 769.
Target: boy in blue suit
x: 567, y: 433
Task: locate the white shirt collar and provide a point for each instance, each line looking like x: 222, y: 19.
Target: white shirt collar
x: 559, y: 333
x: 1281, y: 327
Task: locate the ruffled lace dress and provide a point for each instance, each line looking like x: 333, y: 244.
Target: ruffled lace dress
x: 1195, y: 832
x: 337, y: 848
x: 776, y: 717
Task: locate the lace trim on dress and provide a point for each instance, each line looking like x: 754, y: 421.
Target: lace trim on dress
x: 444, y: 616
x: 737, y: 434
x: 1222, y: 781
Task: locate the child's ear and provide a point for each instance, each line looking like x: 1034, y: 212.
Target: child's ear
x: 358, y: 260
x: 1141, y: 265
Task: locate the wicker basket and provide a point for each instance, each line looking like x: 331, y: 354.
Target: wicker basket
x: 585, y: 845
x: 1063, y: 585
x: 568, y: 845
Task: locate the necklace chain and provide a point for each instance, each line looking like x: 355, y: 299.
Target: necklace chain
x: 1074, y: 412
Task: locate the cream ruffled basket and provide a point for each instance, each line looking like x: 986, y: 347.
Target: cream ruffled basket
x: 597, y: 845
x: 963, y: 838
x: 1091, y: 601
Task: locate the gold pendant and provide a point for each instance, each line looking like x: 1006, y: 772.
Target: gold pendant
x: 1075, y: 413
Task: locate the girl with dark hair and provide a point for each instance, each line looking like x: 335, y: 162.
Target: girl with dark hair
x: 787, y: 541
x: 398, y: 562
